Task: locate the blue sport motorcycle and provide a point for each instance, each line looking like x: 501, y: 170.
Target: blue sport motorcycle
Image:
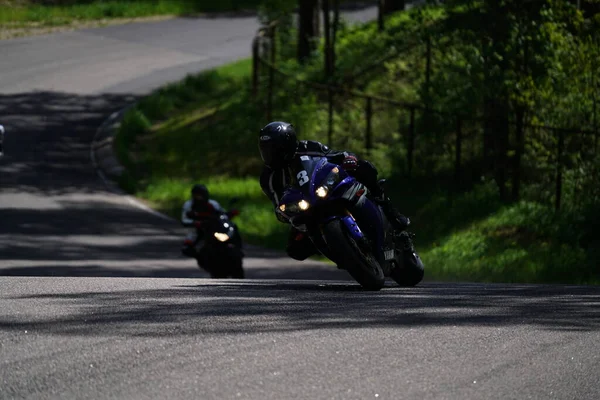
x: 333, y: 209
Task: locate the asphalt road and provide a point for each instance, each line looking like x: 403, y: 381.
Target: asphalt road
x: 95, y: 301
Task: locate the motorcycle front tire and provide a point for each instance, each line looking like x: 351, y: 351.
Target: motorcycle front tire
x: 362, y: 266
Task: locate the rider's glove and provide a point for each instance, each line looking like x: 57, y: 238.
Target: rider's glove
x: 350, y: 163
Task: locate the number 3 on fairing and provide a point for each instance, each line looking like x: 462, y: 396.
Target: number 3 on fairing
x: 302, y: 178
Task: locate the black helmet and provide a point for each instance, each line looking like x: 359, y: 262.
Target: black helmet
x: 201, y: 190
x: 277, y: 143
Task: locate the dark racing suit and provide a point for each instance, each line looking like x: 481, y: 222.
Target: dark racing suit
x: 192, y: 215
x: 274, y: 182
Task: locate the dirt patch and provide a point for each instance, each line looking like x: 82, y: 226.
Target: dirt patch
x: 11, y: 31
x: 519, y: 234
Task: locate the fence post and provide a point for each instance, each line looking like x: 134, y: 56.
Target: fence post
x: 595, y: 86
x: 380, y: 21
x: 369, y: 115
x: 559, y: 152
x: 330, y: 117
x: 594, y: 115
x: 255, y: 72
x: 519, y: 150
x: 428, y: 74
x: 457, y: 161
x: 411, y: 141
x: 271, y: 75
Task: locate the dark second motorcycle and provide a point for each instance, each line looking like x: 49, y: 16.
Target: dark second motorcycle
x: 221, y: 255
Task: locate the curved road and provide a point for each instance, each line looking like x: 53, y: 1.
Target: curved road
x: 95, y: 301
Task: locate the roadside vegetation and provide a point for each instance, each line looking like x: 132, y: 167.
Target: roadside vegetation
x: 491, y: 61
x: 15, y: 13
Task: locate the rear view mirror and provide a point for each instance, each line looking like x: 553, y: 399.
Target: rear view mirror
x: 233, y: 213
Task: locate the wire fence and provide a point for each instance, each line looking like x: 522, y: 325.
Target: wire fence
x: 420, y: 141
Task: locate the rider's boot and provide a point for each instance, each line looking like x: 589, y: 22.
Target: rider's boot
x: 399, y: 221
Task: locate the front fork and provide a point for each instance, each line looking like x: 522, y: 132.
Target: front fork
x: 351, y: 226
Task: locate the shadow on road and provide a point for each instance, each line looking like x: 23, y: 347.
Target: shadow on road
x: 48, y: 136
x: 260, y: 306
x: 57, y: 218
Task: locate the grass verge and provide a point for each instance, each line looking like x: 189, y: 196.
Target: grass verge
x: 201, y: 129
x: 204, y: 129
x: 19, y: 13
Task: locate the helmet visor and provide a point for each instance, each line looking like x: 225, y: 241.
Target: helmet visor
x: 268, y: 153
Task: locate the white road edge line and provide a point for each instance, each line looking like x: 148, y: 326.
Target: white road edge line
x: 111, y: 185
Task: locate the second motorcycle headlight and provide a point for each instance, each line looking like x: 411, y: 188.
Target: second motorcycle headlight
x: 221, y: 237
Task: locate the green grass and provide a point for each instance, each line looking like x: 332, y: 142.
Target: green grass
x: 511, y: 245
x: 14, y: 13
x: 257, y: 222
x: 203, y: 129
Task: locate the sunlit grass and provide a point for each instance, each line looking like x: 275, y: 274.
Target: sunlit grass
x: 21, y: 12
x: 204, y: 130
x: 256, y: 221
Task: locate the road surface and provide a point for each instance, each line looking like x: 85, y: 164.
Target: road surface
x: 95, y: 301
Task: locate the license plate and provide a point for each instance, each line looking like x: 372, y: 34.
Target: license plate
x: 389, y: 254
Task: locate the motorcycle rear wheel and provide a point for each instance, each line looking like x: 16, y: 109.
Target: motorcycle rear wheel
x: 412, y: 271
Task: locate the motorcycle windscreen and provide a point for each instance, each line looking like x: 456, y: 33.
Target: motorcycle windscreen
x: 304, y: 171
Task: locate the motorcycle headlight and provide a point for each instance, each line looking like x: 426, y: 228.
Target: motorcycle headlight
x: 294, y: 208
x: 303, y: 204
x: 333, y: 177
x: 221, y: 237
x: 330, y: 181
x: 322, y: 191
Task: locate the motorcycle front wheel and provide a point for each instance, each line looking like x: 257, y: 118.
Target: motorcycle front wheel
x: 361, y: 265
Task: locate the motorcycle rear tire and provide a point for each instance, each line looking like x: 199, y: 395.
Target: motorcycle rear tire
x: 412, y: 271
x: 236, y: 269
x: 363, y: 267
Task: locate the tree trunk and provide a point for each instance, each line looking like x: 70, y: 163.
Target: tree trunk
x: 336, y: 23
x: 519, y: 129
x: 317, y: 18
x: 306, y: 28
x: 496, y: 99
x: 500, y: 130
x: 390, y: 6
x: 519, y: 149
x: 327, y: 33
x: 380, y: 22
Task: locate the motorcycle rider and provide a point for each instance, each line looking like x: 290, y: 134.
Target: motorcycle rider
x: 194, y: 212
x: 279, y: 147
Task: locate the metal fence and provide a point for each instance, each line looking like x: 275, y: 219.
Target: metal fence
x: 439, y: 143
